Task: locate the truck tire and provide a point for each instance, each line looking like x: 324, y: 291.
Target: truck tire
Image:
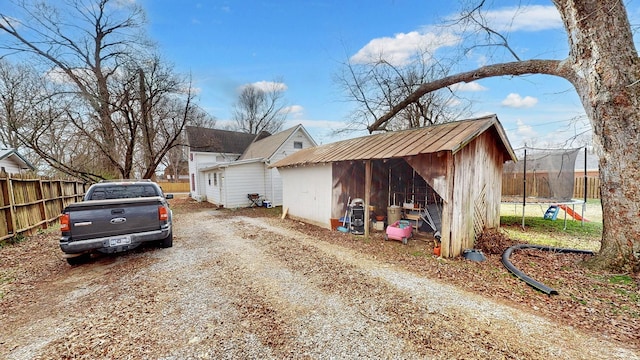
x: 77, y: 260
x: 168, y: 241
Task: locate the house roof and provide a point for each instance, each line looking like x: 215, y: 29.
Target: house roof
x: 14, y: 156
x: 265, y: 148
x: 220, y: 141
x: 451, y: 136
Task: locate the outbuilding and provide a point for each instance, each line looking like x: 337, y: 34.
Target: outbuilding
x: 455, y: 168
x: 11, y: 162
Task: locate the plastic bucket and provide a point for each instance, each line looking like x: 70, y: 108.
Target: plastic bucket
x: 394, y: 213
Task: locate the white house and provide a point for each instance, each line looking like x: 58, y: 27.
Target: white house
x: 11, y: 162
x: 209, y: 147
x: 225, y: 178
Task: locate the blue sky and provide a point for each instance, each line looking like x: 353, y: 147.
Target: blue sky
x: 227, y: 44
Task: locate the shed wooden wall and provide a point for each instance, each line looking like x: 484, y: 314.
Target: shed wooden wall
x: 477, y: 188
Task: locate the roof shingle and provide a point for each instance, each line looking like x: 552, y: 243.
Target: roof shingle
x: 221, y: 141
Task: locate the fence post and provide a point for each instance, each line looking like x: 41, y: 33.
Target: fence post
x: 12, y: 208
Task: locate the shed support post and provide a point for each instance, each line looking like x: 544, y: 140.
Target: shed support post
x: 367, y: 196
x: 449, y: 226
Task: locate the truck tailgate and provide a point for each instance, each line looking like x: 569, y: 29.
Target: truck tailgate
x: 102, y: 218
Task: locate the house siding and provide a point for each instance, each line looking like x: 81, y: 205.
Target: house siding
x: 233, y: 183
x: 10, y: 167
x: 213, y: 187
x: 199, y: 160
x: 309, y: 193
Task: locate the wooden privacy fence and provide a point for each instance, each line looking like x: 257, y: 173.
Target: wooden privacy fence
x: 174, y: 187
x: 511, y: 186
x: 28, y: 204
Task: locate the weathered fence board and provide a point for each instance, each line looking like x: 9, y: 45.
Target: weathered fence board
x: 30, y: 204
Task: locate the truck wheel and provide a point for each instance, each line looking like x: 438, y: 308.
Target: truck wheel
x: 404, y: 241
x: 77, y: 260
x: 168, y: 241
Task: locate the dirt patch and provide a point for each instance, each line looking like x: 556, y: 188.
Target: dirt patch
x: 246, y: 284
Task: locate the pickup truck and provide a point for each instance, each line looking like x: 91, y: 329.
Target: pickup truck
x: 115, y: 216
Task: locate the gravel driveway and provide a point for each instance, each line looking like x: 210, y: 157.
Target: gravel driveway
x: 236, y: 287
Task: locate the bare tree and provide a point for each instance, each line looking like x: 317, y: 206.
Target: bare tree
x: 176, y: 158
x: 122, y: 104
x: 375, y: 86
x: 604, y: 68
x: 260, y: 108
x: 19, y: 93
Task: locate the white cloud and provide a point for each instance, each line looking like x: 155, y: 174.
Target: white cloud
x: 269, y: 86
x: 524, y: 18
x: 294, y: 110
x: 524, y: 130
x: 399, y: 50
x: 471, y: 87
x: 516, y: 101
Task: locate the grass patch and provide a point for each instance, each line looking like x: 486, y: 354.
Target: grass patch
x: 16, y: 239
x: 590, y: 230
x: 540, y: 231
x: 621, y: 279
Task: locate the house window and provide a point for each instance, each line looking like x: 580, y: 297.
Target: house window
x: 215, y: 179
x: 191, y: 156
x: 193, y: 182
x: 297, y: 144
x: 209, y: 179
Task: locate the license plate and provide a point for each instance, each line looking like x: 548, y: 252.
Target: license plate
x: 118, y: 241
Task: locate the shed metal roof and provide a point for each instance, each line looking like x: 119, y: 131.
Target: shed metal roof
x: 451, y: 136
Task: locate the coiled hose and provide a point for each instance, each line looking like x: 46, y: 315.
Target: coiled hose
x: 522, y: 276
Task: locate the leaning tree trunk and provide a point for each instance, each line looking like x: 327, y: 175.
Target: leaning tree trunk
x: 606, y: 76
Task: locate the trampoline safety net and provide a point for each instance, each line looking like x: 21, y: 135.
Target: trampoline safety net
x: 549, y: 176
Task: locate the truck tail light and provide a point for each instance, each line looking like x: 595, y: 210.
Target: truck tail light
x: 163, y: 213
x: 64, y: 223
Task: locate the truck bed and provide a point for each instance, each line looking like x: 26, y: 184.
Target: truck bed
x: 101, y: 218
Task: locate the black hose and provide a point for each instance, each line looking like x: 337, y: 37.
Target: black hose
x: 522, y: 276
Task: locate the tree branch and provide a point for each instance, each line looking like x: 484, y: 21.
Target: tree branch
x: 548, y: 67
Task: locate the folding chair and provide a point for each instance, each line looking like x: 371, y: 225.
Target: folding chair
x: 255, y: 200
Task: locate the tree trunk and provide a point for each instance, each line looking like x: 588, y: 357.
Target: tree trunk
x: 606, y: 77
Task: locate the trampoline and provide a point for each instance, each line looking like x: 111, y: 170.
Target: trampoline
x: 545, y: 177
